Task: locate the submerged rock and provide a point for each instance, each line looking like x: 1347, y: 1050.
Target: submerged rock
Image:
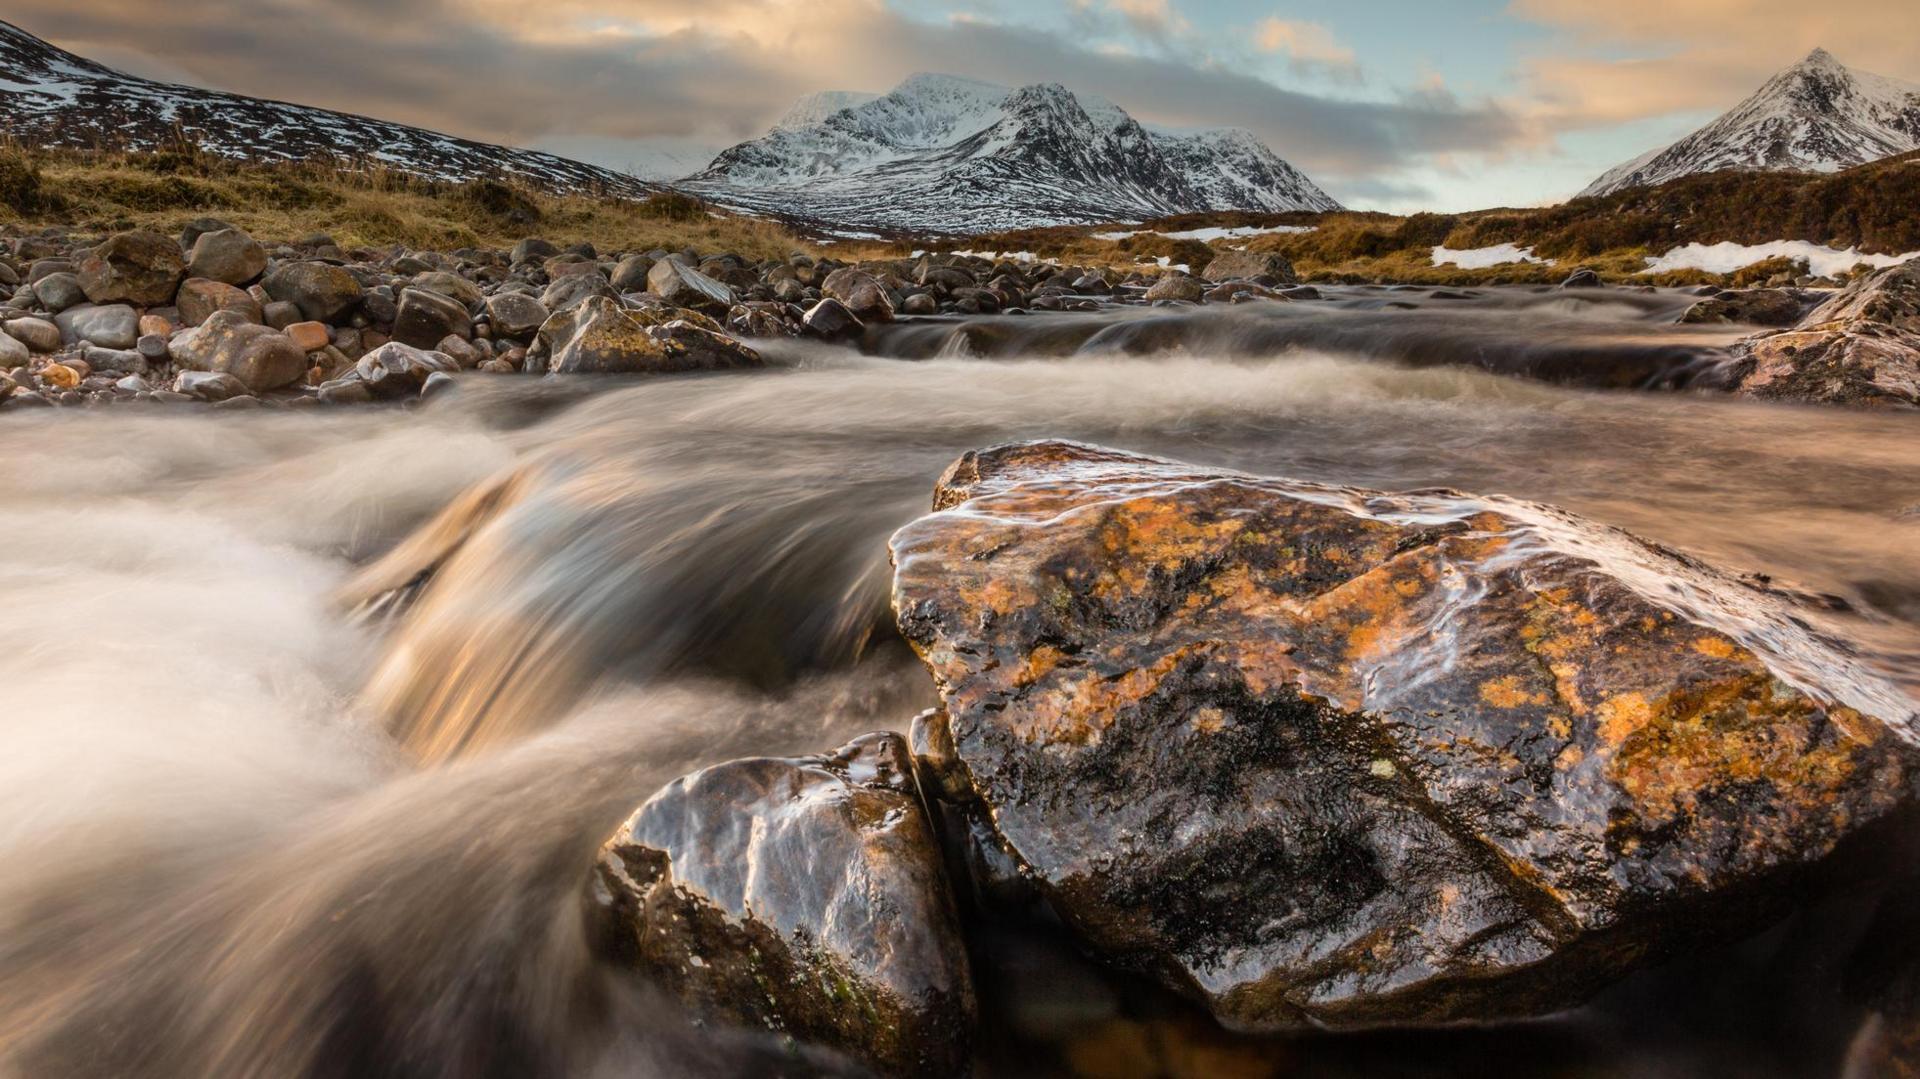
x: 1756, y: 306
x: 1321, y: 756
x: 1861, y: 347
x: 803, y: 895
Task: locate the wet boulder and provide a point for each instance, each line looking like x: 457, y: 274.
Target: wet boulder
x: 1176, y: 287
x: 424, y: 317
x: 1328, y: 757
x: 801, y: 895
x: 200, y: 297
x: 396, y: 369
x: 137, y: 267
x: 515, y: 315
x: 692, y: 347
x: 226, y: 255
x: 113, y: 325
x: 684, y: 286
x: 1861, y: 347
x: 601, y: 337
x: 322, y: 291
x: 262, y: 358
x: 1757, y: 307
x: 1243, y: 265
x: 861, y: 292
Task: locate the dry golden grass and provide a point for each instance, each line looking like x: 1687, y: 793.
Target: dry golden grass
x: 359, y: 207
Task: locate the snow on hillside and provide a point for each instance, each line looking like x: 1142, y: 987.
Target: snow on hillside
x: 948, y: 154
x: 1818, y: 115
x: 51, y: 97
x: 1727, y: 257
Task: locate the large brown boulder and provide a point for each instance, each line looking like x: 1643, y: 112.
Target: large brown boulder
x: 261, y: 357
x: 138, y: 267
x: 200, y: 297
x: 803, y: 895
x: 861, y: 292
x: 1321, y: 756
x: 601, y: 337
x: 684, y: 286
x: 1240, y: 265
x: 322, y: 291
x: 1861, y: 347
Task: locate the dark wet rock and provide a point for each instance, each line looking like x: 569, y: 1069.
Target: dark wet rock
x: 830, y: 320
x: 424, y: 317
x: 693, y: 347
x: 533, y: 249
x: 1242, y: 265
x: 262, y: 358
x: 109, y: 326
x: 920, y: 303
x: 13, y: 353
x: 862, y: 292
x: 684, y: 286
x: 137, y: 267
x: 200, y: 297
x: 515, y: 315
x: 801, y: 895
x: 1583, y: 278
x: 570, y: 292
x: 1860, y: 347
x: 450, y: 285
x: 208, y: 385
x: 630, y: 275
x: 596, y: 337
x: 1320, y: 756
x: 322, y: 291
x: 1176, y: 286
x: 396, y: 369
x: 226, y: 255
x: 1757, y: 307
x: 58, y: 291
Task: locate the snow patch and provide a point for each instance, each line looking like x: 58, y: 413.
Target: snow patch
x: 1479, y: 258
x: 1210, y: 234
x: 1823, y: 261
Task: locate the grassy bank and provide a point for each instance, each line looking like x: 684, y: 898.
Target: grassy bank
x: 98, y: 192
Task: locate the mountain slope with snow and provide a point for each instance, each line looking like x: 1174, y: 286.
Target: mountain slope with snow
x: 1817, y: 116
x: 50, y: 97
x: 946, y: 154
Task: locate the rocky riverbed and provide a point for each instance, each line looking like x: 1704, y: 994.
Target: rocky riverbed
x: 942, y: 665
x: 217, y: 317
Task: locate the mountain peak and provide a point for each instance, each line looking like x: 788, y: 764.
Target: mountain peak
x: 1816, y: 116
x: 946, y: 153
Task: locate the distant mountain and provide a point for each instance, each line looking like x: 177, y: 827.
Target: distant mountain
x: 946, y: 154
x: 50, y: 97
x: 1817, y: 116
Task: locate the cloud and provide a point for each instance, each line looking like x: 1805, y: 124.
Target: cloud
x: 593, y: 72
x: 1308, y: 47
x: 1702, y: 55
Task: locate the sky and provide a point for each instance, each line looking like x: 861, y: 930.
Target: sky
x: 1396, y: 105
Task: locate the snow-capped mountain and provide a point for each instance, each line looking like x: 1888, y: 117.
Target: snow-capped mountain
x: 946, y: 154
x: 1818, y: 116
x: 50, y: 97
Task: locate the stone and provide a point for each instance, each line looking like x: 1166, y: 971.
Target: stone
x: 595, y: 338
x: 1328, y: 757
x: 322, y: 291
x: 260, y: 357
x: 200, y: 297
x: 830, y: 320
x: 397, y: 369
x: 209, y: 385
x: 191, y: 232
x: 451, y: 285
x: 136, y: 267
x: 630, y: 275
x: 515, y: 315
x: 309, y: 336
x: 1583, y: 278
x: 1757, y: 307
x: 426, y: 317
x: 153, y: 348
x: 109, y: 326
x: 345, y: 391
x: 461, y: 351
x: 533, y: 248
x: 1241, y: 265
x: 13, y: 353
x: 226, y: 255
x: 1861, y: 347
x: 693, y: 347
x: 684, y: 286
x: 1176, y: 286
x: 60, y: 376
x: 36, y: 333
x: 862, y: 292
x: 800, y: 895
x: 58, y: 291
x: 570, y: 292
x: 437, y: 383
x: 115, y: 360
x: 920, y: 303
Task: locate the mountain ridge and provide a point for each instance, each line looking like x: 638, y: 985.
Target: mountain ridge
x: 55, y: 98
x: 946, y: 153
x: 1817, y: 115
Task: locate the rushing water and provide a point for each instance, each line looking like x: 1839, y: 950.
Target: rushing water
x: 217, y: 858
